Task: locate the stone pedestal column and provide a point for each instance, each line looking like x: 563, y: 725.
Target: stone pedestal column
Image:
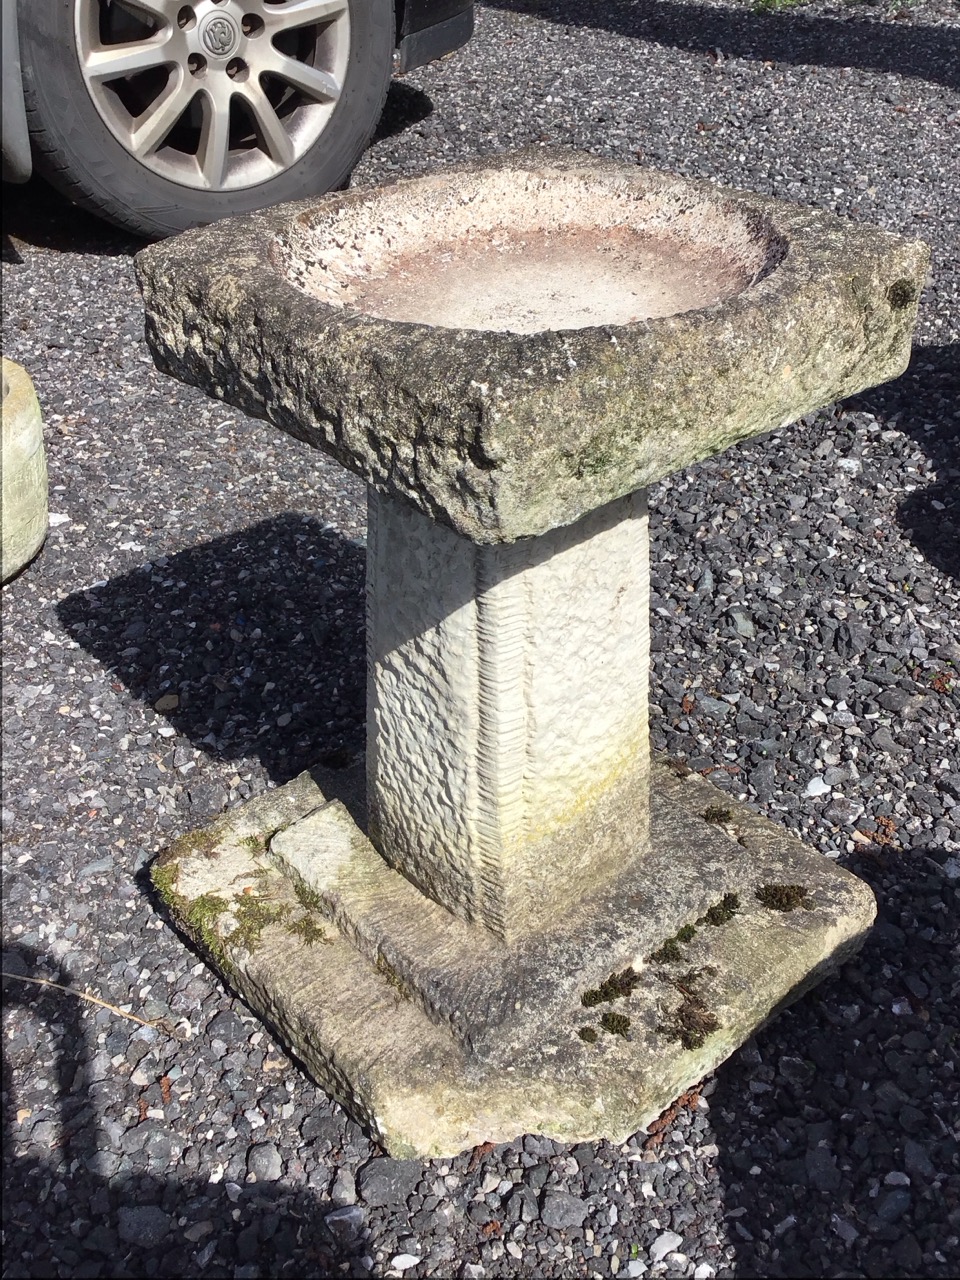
x: 507, y: 756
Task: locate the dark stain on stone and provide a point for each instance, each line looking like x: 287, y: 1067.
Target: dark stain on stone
x: 717, y: 813
x: 693, y: 1020
x: 901, y: 294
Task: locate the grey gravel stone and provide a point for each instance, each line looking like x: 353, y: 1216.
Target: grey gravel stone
x: 560, y: 1210
x: 344, y: 1188
x: 387, y: 1182
x: 265, y: 1162
x: 893, y: 1205
x: 143, y: 1225
x: 822, y: 1171
x: 666, y: 1242
x: 345, y: 1224
x: 917, y: 1159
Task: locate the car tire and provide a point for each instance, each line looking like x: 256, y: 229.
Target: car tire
x: 85, y: 125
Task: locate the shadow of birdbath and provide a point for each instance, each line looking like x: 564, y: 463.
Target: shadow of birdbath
x: 540, y: 928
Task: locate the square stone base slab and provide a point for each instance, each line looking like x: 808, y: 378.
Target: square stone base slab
x: 436, y: 1036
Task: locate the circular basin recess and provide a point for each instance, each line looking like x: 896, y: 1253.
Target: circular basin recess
x: 522, y: 251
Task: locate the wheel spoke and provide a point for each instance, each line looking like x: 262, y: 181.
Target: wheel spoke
x: 159, y: 118
x: 300, y: 13
x: 274, y: 139
x: 114, y: 60
x: 315, y: 83
x: 214, y: 148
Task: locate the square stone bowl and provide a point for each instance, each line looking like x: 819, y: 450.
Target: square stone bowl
x: 512, y: 343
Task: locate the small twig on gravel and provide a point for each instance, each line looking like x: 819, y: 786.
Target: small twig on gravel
x: 85, y: 995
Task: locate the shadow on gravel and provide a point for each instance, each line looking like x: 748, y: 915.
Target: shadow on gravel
x: 850, y: 1085
x: 36, y: 214
x: 925, y: 403
x: 406, y: 105
x: 252, y: 644
x: 78, y: 1213
x: 929, y: 53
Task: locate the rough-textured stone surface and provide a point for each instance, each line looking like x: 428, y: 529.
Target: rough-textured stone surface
x: 384, y: 1020
x: 507, y: 692
x: 143, y: 1225
x: 506, y: 434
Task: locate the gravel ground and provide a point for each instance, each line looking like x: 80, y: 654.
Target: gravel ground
x: 165, y: 657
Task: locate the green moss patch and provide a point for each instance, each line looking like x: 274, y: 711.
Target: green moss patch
x: 588, y: 1035
x: 717, y: 813
x: 722, y: 911
x: 199, y: 918
x: 669, y: 953
x: 202, y: 842
x: 253, y: 915
x: 307, y: 930
x: 393, y: 979
x: 308, y: 898
x: 618, y: 984
x: 164, y: 877
x: 784, y: 897
x: 618, y: 1024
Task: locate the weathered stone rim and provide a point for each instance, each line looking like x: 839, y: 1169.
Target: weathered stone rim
x: 249, y: 243
x: 504, y: 435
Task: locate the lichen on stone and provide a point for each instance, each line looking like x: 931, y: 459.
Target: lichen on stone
x: 588, y: 1035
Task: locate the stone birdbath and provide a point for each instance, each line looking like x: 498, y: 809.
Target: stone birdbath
x: 536, y: 927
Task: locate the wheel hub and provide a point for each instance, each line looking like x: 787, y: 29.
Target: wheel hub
x: 219, y: 34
